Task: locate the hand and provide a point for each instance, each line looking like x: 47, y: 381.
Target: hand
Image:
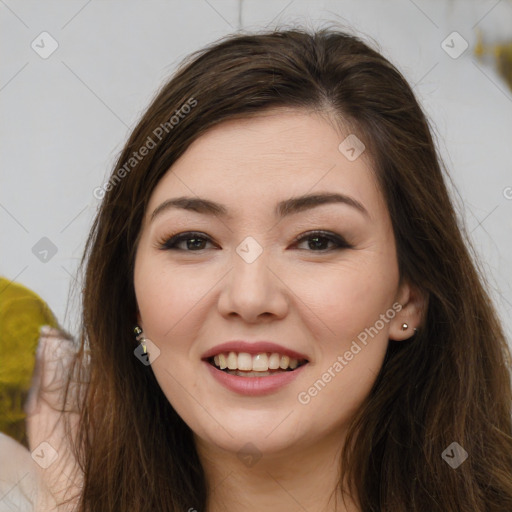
x: 50, y: 431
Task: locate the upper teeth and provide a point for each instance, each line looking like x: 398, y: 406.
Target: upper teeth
x: 258, y: 363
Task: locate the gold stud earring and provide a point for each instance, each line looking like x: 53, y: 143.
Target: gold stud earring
x: 404, y: 326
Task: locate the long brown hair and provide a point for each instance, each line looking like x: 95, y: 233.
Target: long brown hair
x: 450, y: 384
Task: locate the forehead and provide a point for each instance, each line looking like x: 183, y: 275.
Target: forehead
x: 261, y: 160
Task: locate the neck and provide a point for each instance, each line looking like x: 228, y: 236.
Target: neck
x: 298, y: 478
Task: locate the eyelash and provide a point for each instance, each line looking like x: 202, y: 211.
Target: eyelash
x: 169, y: 243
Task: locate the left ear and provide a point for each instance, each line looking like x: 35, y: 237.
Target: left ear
x: 413, y: 304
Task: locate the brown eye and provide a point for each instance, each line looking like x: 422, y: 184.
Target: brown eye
x: 318, y: 241
x: 194, y: 242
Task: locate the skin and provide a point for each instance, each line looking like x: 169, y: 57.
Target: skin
x: 313, y: 299
x: 62, y: 479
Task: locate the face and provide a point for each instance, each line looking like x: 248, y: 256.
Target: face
x: 318, y: 278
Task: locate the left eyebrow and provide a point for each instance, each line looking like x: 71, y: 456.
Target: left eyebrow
x: 283, y: 208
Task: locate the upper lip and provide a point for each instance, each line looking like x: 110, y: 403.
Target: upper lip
x: 255, y: 347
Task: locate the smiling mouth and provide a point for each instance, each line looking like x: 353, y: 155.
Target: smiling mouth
x: 243, y: 364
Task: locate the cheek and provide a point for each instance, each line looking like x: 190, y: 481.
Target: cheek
x: 166, y: 295
x: 169, y: 300
x: 351, y: 342
x: 347, y: 299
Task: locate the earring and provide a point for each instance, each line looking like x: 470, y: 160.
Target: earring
x: 139, y: 336
x: 406, y: 326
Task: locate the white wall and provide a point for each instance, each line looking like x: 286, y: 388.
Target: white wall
x: 64, y: 118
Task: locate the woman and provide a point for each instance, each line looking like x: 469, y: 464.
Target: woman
x: 311, y: 332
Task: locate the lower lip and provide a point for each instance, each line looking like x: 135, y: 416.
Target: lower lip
x: 254, y: 386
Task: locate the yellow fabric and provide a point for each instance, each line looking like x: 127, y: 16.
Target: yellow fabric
x: 22, y: 313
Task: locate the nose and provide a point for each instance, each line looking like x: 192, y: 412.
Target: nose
x: 253, y: 291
